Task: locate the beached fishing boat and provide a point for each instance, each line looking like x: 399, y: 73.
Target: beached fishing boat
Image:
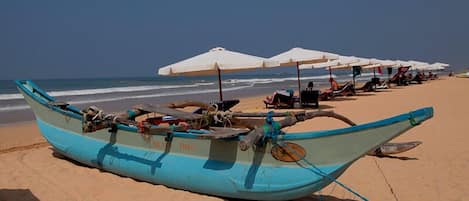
x: 273, y: 166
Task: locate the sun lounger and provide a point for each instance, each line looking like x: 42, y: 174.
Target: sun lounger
x: 345, y: 90
x: 367, y: 87
x: 379, y: 84
x: 417, y: 79
x: 280, y: 99
x: 399, y: 78
x: 383, y: 85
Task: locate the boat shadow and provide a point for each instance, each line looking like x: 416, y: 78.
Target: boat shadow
x: 17, y: 194
x: 404, y: 158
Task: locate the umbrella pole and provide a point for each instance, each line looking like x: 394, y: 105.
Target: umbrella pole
x: 219, y: 84
x: 299, y: 82
x: 374, y: 72
x: 330, y: 77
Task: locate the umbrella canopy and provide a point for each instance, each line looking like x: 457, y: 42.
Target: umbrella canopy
x: 418, y: 65
x: 400, y: 63
x: 215, y: 61
x: 434, y: 67
x: 384, y: 63
x: 341, y: 61
x: 441, y: 64
x: 372, y: 66
x: 297, y: 56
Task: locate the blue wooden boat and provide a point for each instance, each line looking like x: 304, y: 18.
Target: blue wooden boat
x: 184, y: 160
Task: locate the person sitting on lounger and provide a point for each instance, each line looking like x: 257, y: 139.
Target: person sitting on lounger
x: 334, y: 85
x: 280, y: 98
x: 336, y: 90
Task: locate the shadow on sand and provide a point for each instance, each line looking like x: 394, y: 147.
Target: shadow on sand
x: 323, y: 198
x: 366, y: 94
x: 309, y: 198
x: 342, y: 99
x: 404, y: 158
x: 17, y: 194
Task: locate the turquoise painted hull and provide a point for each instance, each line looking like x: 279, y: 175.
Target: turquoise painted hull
x: 215, y: 167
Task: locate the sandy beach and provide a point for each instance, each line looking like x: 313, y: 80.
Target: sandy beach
x: 436, y: 170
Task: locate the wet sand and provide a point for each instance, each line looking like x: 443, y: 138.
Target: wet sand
x: 435, y: 170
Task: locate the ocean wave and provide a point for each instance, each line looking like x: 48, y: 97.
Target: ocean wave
x: 13, y: 108
x: 80, y: 92
x: 22, y: 107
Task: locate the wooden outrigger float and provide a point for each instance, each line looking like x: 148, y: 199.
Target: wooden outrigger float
x: 258, y: 163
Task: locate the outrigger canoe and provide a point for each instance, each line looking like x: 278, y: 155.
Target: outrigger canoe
x: 283, y: 167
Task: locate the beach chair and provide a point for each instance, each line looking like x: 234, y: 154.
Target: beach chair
x: 379, y: 84
x: 309, y: 96
x: 367, y: 87
x: 399, y: 78
x: 345, y: 90
x: 280, y: 99
x: 417, y: 79
x: 383, y: 85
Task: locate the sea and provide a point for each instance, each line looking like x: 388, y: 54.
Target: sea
x: 120, y: 94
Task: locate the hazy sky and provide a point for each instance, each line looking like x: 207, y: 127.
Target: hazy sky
x: 66, y: 39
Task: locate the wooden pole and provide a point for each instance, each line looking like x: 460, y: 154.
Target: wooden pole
x: 299, y: 82
x: 219, y: 84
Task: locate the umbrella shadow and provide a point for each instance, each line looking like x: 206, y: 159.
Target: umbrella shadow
x: 17, y: 194
x: 343, y: 99
x: 366, y: 94
x: 322, y: 107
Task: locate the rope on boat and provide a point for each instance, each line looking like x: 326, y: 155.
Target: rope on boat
x: 319, y: 172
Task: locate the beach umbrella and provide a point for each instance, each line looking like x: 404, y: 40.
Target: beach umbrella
x: 341, y: 63
x: 434, y: 67
x: 441, y: 64
x: 418, y: 65
x: 297, y: 56
x: 214, y: 62
x: 400, y: 63
x: 437, y: 66
x: 377, y: 63
x: 355, y: 66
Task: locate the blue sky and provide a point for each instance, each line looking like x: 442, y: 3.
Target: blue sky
x: 76, y: 39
